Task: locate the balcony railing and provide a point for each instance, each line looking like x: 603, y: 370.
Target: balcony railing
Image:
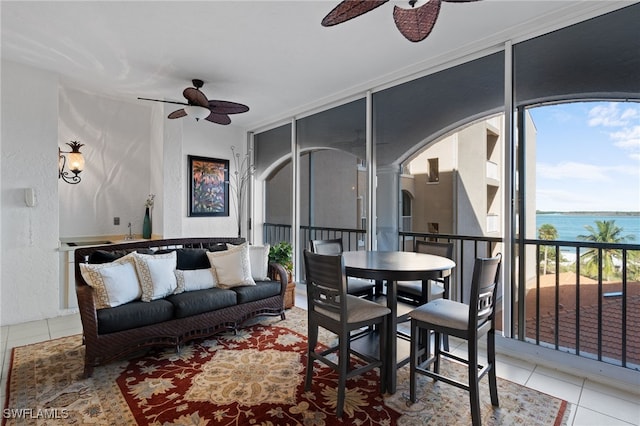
x: 590, y: 309
x: 584, y: 298
x: 352, y: 239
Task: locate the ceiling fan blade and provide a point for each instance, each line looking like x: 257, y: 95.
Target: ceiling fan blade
x: 179, y: 113
x: 416, y: 24
x: 195, y: 97
x: 218, y: 118
x: 349, y: 9
x: 226, y: 107
x: 167, y: 102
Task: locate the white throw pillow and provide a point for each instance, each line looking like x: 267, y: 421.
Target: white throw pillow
x: 115, y: 283
x: 232, y: 266
x: 196, y: 279
x: 157, y: 274
x: 259, y: 259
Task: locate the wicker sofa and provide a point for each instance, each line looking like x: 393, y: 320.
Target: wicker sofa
x: 114, y: 332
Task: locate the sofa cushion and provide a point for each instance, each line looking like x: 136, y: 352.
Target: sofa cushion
x: 199, y: 301
x: 189, y: 258
x: 262, y: 290
x: 233, y: 266
x: 114, y: 283
x: 133, y: 315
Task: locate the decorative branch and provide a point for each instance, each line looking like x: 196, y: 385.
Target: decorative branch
x: 238, y: 182
x: 149, y: 202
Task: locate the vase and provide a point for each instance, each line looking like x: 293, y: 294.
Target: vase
x: 146, y: 225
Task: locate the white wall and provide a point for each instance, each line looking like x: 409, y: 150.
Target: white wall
x: 116, y: 179
x: 29, y: 283
x: 131, y: 150
x: 210, y: 140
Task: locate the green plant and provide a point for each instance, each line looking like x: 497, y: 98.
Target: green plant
x: 606, y: 231
x: 282, y: 253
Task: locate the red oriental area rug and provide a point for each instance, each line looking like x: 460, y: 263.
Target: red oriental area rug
x: 254, y: 377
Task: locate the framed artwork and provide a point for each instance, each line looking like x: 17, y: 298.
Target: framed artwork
x: 208, y: 186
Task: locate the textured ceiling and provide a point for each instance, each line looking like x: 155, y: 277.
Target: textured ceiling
x: 271, y: 55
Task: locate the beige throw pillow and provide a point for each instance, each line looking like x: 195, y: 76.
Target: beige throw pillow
x: 259, y: 259
x: 232, y: 266
x: 115, y: 283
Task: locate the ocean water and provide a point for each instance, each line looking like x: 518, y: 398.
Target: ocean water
x: 569, y: 226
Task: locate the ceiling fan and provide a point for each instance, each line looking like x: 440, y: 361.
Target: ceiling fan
x: 200, y: 107
x: 415, y: 23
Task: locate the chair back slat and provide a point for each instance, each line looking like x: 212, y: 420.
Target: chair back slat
x: 326, y: 282
x: 485, y: 304
x: 484, y: 284
x: 326, y: 246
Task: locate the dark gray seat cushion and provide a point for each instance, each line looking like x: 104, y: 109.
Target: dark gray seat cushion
x: 262, y: 290
x: 133, y: 315
x: 196, y: 302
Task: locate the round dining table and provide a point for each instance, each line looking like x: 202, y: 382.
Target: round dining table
x: 391, y: 267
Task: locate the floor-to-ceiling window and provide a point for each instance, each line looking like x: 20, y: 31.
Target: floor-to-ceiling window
x: 413, y: 115
x: 595, y: 59
x: 333, y: 188
x: 585, y: 292
x: 273, y: 188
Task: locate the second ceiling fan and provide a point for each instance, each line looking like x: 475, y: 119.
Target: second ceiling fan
x: 200, y: 107
x: 415, y: 23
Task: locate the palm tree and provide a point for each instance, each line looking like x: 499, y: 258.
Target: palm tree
x: 607, y: 232
x: 547, y: 232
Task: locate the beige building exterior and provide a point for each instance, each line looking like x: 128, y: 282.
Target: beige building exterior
x: 454, y: 185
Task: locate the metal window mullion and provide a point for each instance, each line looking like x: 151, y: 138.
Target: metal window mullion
x: 624, y: 308
x: 556, y: 310
x: 295, y: 200
x: 508, y: 170
x: 251, y: 237
x: 521, y: 166
x: 371, y: 175
x: 577, y: 331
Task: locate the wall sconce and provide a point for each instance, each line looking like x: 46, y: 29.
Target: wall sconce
x: 75, y: 163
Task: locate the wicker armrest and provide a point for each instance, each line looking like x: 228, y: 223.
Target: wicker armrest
x: 87, y: 307
x: 278, y: 273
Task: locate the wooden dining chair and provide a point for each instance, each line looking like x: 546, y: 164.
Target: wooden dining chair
x: 355, y: 286
x: 421, y: 292
x: 468, y: 322
x: 330, y: 307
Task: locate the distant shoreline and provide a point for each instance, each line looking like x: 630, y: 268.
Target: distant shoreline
x: 604, y: 213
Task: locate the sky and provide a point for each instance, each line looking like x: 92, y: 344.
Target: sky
x: 588, y: 156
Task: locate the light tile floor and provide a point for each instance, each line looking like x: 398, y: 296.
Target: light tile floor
x: 592, y: 403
